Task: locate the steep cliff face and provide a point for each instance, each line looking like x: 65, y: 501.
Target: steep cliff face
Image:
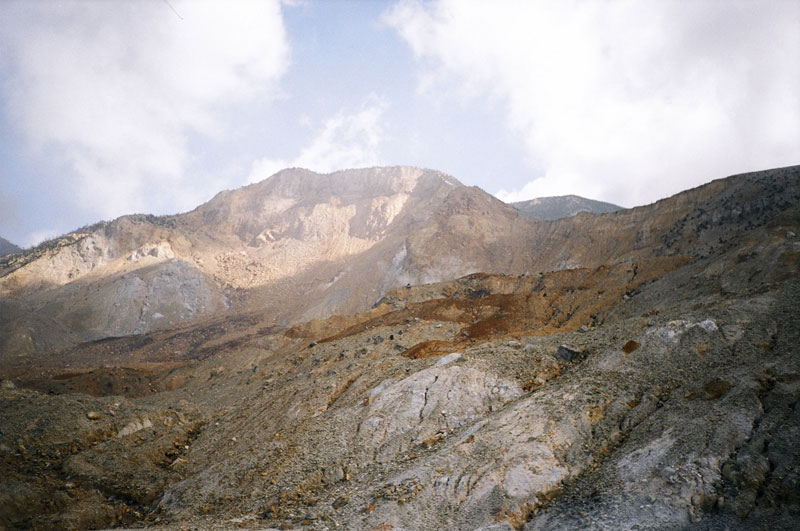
x: 124, y: 277
x: 299, y: 244
x: 347, y: 236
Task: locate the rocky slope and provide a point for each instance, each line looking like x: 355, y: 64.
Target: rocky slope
x: 300, y: 245
x: 339, y: 240
x: 564, y: 206
x: 646, y: 378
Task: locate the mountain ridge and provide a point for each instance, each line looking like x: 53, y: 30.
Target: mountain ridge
x: 614, y: 371
x: 6, y: 247
x: 564, y: 206
x: 279, y: 243
x: 291, y: 235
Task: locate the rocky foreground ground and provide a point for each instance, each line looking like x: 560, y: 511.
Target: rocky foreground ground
x: 652, y: 393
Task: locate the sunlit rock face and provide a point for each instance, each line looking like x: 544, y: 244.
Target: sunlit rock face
x: 300, y: 244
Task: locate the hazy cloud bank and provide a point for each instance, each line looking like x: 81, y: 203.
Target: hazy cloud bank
x: 623, y: 101
x: 117, y: 90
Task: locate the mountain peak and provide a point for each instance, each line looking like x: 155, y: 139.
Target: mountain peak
x: 357, y: 179
x: 362, y: 231
x: 564, y: 206
x: 6, y: 247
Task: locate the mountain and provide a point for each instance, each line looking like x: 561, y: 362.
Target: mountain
x: 552, y: 208
x: 613, y: 371
x: 6, y: 247
x: 296, y: 246
x: 301, y: 245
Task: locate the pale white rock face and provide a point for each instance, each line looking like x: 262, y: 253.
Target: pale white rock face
x: 148, y: 298
x: 134, y: 426
x: 158, y: 251
x: 383, y: 210
x: 514, y: 454
x: 405, y: 413
x: 61, y: 266
x: 449, y: 358
x: 632, y: 466
x: 673, y: 330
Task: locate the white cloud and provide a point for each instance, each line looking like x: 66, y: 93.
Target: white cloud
x: 37, y: 237
x: 117, y: 89
x: 625, y: 101
x: 347, y: 140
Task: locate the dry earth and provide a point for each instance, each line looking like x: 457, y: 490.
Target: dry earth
x: 640, y: 372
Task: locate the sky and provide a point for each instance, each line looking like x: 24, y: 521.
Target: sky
x: 110, y: 108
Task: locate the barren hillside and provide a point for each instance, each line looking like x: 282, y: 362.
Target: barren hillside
x: 631, y: 370
x: 298, y: 245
